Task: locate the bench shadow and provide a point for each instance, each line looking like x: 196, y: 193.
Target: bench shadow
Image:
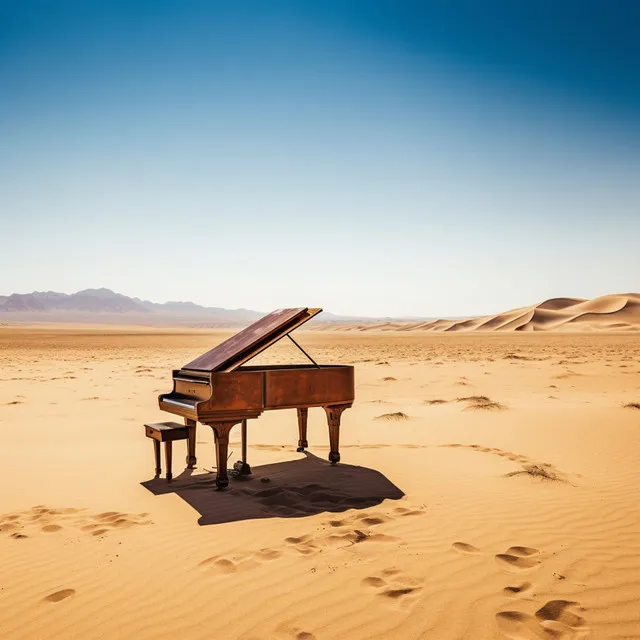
x: 291, y: 489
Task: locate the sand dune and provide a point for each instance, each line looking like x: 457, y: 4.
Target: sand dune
x: 617, y: 312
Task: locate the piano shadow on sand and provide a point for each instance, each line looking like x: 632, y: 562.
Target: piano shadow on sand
x: 291, y: 489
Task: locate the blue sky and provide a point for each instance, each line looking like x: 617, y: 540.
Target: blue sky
x: 375, y: 158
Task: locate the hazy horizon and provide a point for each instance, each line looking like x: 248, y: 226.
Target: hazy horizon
x: 253, y: 309
x: 375, y: 159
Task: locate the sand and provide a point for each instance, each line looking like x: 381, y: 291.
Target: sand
x: 489, y: 489
x: 616, y: 312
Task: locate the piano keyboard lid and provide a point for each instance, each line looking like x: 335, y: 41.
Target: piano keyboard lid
x: 249, y: 342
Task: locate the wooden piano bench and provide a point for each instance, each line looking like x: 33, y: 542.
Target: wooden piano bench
x: 165, y: 432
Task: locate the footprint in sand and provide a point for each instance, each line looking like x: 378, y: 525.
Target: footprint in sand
x: 374, y: 581
x: 60, y: 595
x: 355, y: 536
x: 404, y: 511
x: 519, y: 559
x: 523, y: 551
x: 302, y: 544
x: 553, y: 620
x: 373, y: 519
x: 368, y: 519
x: 225, y: 566
x: 267, y: 554
x: 394, y: 586
x: 466, y: 549
x: 351, y: 530
x: 50, y: 520
x: 559, y: 611
x: 220, y: 565
x: 514, y: 457
x: 517, y: 589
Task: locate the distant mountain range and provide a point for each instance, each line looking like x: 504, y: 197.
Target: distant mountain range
x: 104, y: 305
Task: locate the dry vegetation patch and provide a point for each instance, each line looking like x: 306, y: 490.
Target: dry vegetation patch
x: 632, y: 405
x: 543, y: 471
x: 397, y: 416
x: 481, y: 403
x: 474, y: 403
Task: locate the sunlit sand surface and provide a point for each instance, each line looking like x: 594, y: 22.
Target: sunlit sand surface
x: 488, y: 489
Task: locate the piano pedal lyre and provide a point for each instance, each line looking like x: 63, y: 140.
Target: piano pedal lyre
x: 241, y: 467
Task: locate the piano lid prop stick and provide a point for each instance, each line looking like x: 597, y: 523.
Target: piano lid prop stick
x: 303, y: 351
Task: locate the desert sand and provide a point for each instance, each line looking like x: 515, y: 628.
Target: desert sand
x: 616, y: 312
x: 488, y: 489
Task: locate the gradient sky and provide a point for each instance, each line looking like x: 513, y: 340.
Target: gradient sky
x: 373, y: 158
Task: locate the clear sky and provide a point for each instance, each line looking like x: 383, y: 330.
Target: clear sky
x: 371, y: 157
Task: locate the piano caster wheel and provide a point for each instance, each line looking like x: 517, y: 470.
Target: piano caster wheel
x: 300, y: 449
x: 222, y: 483
x: 241, y: 468
x: 334, y: 457
x: 191, y: 462
x: 302, y: 445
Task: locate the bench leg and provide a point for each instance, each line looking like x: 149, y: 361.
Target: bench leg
x: 168, y: 451
x: 191, y: 443
x: 156, y: 450
x: 302, y: 429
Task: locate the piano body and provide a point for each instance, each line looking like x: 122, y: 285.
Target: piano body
x: 220, y: 390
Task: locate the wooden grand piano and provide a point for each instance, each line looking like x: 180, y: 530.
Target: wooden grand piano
x: 219, y: 390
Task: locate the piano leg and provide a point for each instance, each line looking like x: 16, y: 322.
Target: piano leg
x: 191, y: 443
x: 333, y: 419
x: 302, y: 429
x: 221, y: 433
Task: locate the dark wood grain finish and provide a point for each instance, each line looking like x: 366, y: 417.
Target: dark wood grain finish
x: 291, y: 388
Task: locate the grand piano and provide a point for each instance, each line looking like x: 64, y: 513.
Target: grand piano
x: 219, y: 389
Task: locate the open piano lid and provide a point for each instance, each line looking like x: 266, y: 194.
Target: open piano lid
x: 243, y: 346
